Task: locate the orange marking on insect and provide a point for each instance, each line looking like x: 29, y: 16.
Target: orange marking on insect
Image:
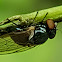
x: 50, y: 24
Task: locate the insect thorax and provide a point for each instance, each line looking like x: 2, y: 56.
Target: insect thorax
x: 40, y: 35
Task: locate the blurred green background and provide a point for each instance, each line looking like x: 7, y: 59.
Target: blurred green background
x: 51, y: 51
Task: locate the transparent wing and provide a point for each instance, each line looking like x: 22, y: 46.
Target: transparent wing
x: 8, y: 46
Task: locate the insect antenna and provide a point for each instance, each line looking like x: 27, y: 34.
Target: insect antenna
x: 43, y: 18
x: 34, y: 19
x: 35, y: 16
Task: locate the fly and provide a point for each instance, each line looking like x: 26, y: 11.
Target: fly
x: 34, y: 34
x: 30, y: 36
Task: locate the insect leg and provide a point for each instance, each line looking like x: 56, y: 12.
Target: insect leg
x: 12, y: 22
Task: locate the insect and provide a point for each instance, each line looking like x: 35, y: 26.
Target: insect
x: 26, y: 37
x: 34, y: 34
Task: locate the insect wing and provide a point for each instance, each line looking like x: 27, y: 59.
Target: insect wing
x: 8, y: 46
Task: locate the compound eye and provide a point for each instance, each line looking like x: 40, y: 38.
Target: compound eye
x: 50, y: 24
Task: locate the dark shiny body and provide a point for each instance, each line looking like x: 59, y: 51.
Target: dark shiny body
x: 41, y: 35
x: 35, y: 35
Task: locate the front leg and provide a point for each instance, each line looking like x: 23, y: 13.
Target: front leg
x: 17, y: 17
